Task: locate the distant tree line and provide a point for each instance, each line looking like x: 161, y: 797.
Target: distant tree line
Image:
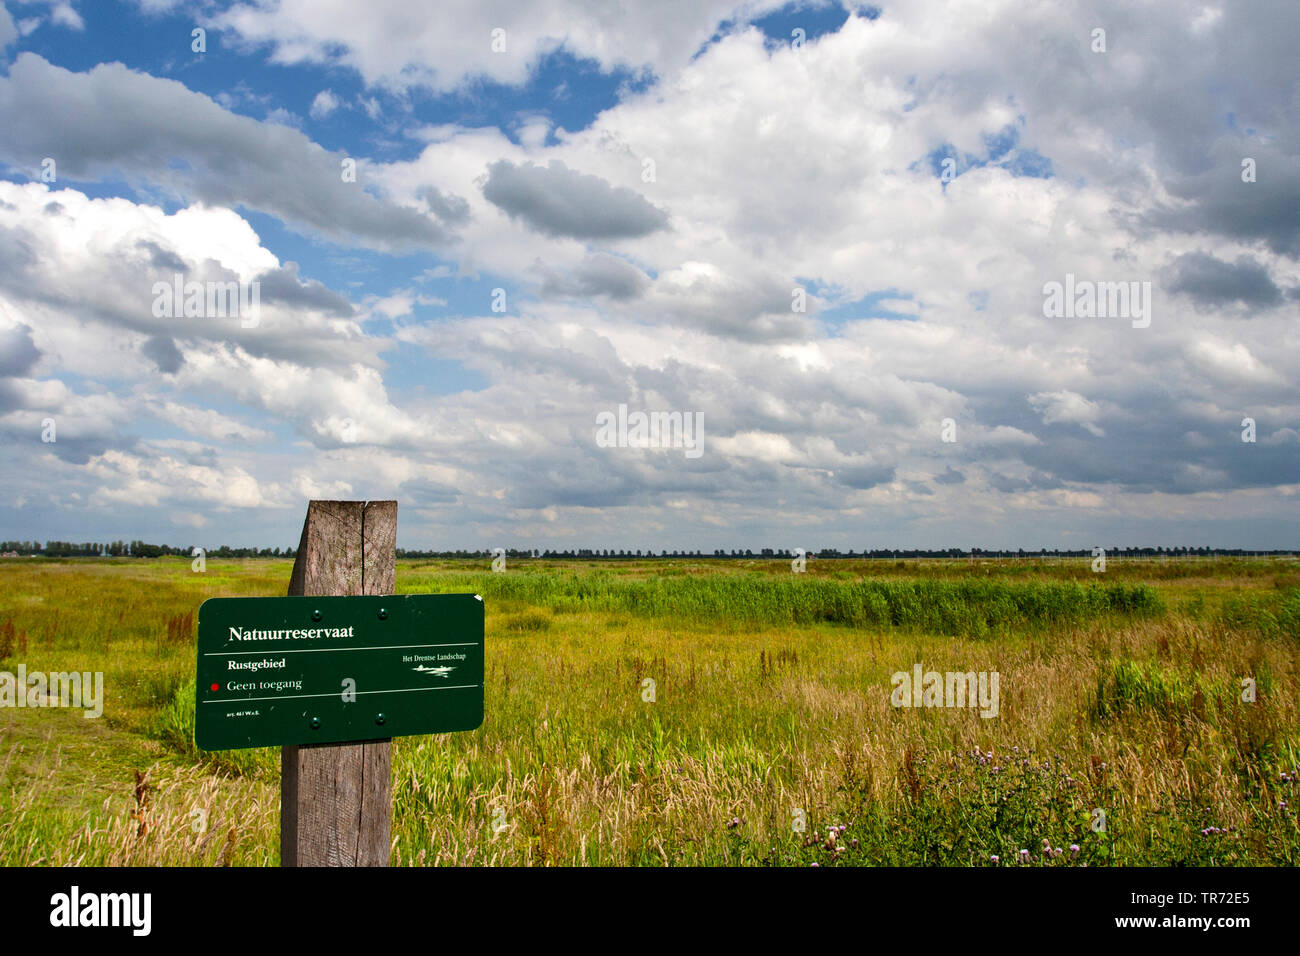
x: 225, y: 551
x: 132, y: 549
x: 774, y: 553
x: 141, y: 549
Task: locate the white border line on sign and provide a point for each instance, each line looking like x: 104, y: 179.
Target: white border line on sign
x: 326, y: 650
x: 399, y: 690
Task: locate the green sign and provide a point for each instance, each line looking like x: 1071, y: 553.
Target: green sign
x: 306, y: 670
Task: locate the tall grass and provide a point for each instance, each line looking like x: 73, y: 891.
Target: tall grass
x: 971, y: 608
x: 1131, y: 686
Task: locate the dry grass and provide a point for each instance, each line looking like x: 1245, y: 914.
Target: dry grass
x: 165, y: 817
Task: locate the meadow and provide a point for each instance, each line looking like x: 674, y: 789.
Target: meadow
x: 771, y: 738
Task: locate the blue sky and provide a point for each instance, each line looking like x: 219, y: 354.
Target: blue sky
x: 737, y: 213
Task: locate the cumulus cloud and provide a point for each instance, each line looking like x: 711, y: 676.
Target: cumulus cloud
x: 162, y: 350
x: 324, y: 104
x: 65, y: 16
x: 18, y: 353
x: 111, y: 119
x: 396, y: 45
x: 8, y: 32
x: 598, y: 275
x: 1069, y: 408
x: 562, y: 202
x: 104, y: 259
x: 1213, y: 283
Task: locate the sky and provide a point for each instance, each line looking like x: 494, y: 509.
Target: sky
x: 833, y: 239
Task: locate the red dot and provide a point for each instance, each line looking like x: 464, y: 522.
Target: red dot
x: 216, y: 687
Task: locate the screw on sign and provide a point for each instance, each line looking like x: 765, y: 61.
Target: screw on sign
x: 331, y: 673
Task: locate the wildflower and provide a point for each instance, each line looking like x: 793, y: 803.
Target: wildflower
x: 1074, y: 849
x: 993, y: 858
x: 1024, y: 856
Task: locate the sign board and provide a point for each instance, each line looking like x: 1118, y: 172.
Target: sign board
x: 281, y: 671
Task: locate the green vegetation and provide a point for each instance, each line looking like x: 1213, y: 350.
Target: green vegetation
x: 1120, y: 692
x: 977, y: 608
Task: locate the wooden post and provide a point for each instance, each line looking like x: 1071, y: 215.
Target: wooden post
x: 335, y: 799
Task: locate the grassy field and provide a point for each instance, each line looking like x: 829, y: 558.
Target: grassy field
x: 1119, y: 691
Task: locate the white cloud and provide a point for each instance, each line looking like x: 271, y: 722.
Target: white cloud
x: 1069, y: 408
x: 204, y: 422
x: 65, y: 16
x: 153, y: 480
x: 394, y: 44
x: 1230, y: 363
x: 8, y: 32
x: 324, y: 104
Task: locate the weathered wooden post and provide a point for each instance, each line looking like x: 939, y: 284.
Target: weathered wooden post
x: 335, y: 802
